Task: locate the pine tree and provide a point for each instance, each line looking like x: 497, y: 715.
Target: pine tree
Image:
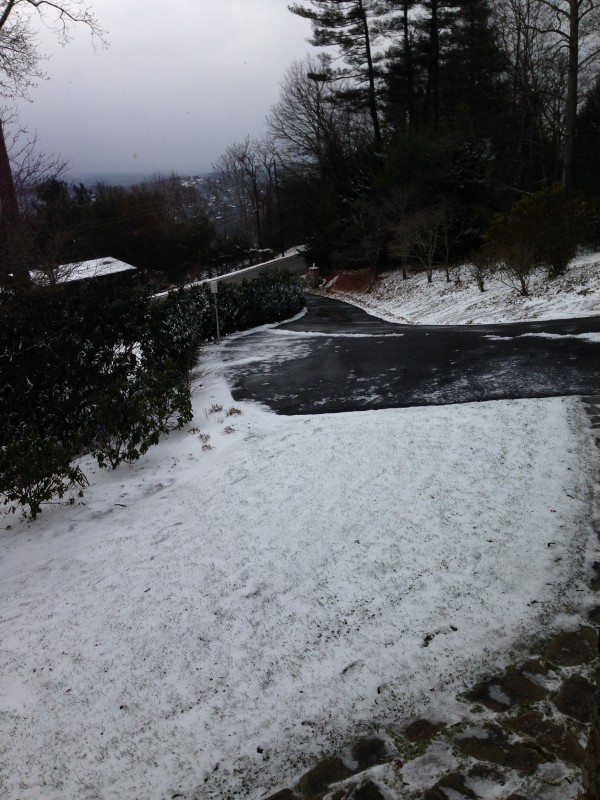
x: 401, y: 77
x: 473, y: 69
x: 431, y: 29
x: 350, y: 26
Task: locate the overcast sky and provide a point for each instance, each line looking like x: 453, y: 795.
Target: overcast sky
x: 179, y: 82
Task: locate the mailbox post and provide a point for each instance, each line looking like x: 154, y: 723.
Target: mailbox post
x: 314, y: 276
x: 214, y: 288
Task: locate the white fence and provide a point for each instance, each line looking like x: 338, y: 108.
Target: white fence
x: 293, y: 263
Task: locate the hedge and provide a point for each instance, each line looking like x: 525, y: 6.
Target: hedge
x: 94, y: 369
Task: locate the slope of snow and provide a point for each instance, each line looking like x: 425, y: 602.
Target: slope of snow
x: 210, y: 620
x: 575, y: 294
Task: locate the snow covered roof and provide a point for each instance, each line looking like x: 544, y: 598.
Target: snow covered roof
x: 82, y: 270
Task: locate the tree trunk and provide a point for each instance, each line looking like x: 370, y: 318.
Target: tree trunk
x: 372, y: 92
x: 8, y: 196
x: 12, y: 268
x: 432, y: 99
x: 571, y: 104
x: 410, y: 80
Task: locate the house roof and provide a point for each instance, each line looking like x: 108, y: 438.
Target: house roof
x: 82, y: 270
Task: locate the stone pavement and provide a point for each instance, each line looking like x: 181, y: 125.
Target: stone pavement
x: 532, y: 732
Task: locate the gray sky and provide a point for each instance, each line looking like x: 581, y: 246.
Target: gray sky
x: 171, y: 91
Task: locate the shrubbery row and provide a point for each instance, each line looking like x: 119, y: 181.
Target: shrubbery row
x: 98, y: 369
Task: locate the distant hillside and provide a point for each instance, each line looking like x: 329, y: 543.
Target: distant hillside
x: 123, y: 178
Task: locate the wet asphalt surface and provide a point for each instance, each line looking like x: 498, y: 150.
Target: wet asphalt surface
x: 339, y: 358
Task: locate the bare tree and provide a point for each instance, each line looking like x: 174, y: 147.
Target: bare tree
x: 401, y: 228
x: 553, y: 48
x: 30, y: 166
x: 423, y: 236
x: 451, y: 229
x: 531, y: 74
x: 19, y: 69
x: 575, y: 29
x: 50, y: 271
x: 482, y: 266
x: 246, y: 173
x: 365, y: 234
x: 426, y: 238
x: 308, y: 125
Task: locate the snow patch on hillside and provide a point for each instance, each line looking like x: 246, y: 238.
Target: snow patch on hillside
x: 414, y: 301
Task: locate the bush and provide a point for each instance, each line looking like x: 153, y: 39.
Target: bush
x: 35, y: 470
x: 91, y: 368
x: 132, y: 415
x: 482, y: 266
x: 75, y: 379
x: 540, y: 230
x: 272, y: 297
x: 511, y: 244
x: 178, y: 325
x: 588, y: 222
x: 59, y: 348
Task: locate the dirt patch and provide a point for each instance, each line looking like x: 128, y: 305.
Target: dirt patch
x: 491, y: 744
x: 329, y: 770
x: 507, y: 690
x: 358, y: 281
x: 422, y: 731
x: 369, y: 751
x: 551, y: 736
x: 457, y: 786
x: 568, y: 649
x: 576, y: 698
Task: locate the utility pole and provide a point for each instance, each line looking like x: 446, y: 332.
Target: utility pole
x: 214, y: 289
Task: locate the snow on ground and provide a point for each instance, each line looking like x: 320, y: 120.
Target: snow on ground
x: 221, y: 613
x: 575, y: 294
x: 211, y: 620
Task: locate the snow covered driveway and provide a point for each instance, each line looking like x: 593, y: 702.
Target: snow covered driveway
x: 211, y: 620
x: 337, y: 357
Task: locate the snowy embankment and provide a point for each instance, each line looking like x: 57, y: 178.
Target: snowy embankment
x: 414, y: 301
x: 212, y: 620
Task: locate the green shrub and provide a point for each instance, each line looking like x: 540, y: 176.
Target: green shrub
x: 588, y: 222
x: 540, y: 230
x: 272, y: 297
x: 92, y: 368
x: 75, y: 378
x: 35, y: 470
x: 186, y: 318
x: 178, y: 324
x: 132, y: 415
x: 58, y: 349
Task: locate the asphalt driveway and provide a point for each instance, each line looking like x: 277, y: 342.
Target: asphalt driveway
x: 339, y: 358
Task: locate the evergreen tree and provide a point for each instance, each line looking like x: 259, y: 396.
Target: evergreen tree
x: 350, y: 26
x: 587, y: 144
x: 431, y: 31
x: 473, y: 69
x: 401, y: 78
